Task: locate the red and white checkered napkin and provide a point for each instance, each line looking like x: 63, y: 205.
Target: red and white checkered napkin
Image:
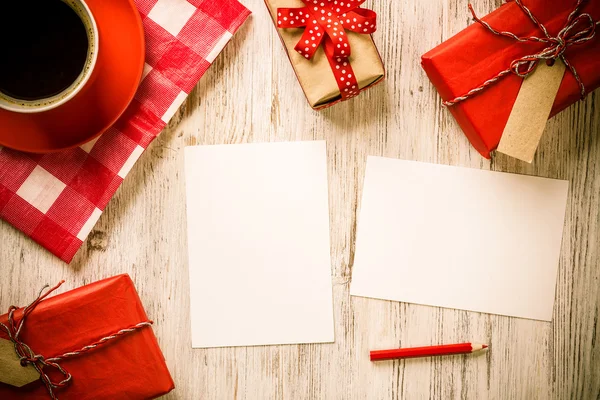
x: 56, y: 199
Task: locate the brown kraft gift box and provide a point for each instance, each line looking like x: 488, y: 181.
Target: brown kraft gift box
x: 315, y: 75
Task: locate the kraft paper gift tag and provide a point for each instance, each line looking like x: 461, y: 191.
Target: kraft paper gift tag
x: 531, y: 110
x: 11, y: 370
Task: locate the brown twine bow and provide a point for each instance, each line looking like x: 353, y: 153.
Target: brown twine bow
x: 580, y: 28
x: 39, y: 362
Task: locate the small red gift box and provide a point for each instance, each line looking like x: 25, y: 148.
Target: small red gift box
x: 475, y: 55
x: 128, y: 366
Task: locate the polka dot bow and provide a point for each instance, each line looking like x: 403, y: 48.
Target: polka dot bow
x: 326, y: 21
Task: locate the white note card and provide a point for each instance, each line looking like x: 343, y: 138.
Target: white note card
x: 258, y: 240
x: 459, y: 238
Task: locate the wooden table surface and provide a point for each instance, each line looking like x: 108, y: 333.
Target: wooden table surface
x: 251, y: 95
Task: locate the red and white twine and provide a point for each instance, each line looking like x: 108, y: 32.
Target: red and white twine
x: 39, y: 362
x: 579, y: 28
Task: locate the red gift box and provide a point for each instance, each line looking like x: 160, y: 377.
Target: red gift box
x: 475, y: 55
x: 130, y: 366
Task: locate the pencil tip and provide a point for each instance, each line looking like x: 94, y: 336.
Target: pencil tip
x: 484, y: 346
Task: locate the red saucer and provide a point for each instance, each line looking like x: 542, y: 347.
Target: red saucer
x: 104, y: 98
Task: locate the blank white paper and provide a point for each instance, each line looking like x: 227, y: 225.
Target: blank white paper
x: 459, y: 238
x: 258, y: 240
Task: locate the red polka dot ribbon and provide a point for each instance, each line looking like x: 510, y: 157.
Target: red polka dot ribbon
x: 325, y: 21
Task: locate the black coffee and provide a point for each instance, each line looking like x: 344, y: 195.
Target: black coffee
x: 43, y: 48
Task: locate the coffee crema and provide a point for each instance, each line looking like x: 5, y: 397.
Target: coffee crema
x: 43, y: 48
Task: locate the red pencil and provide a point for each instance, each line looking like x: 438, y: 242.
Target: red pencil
x: 428, y: 351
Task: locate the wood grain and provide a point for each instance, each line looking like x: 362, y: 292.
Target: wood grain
x: 251, y: 95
